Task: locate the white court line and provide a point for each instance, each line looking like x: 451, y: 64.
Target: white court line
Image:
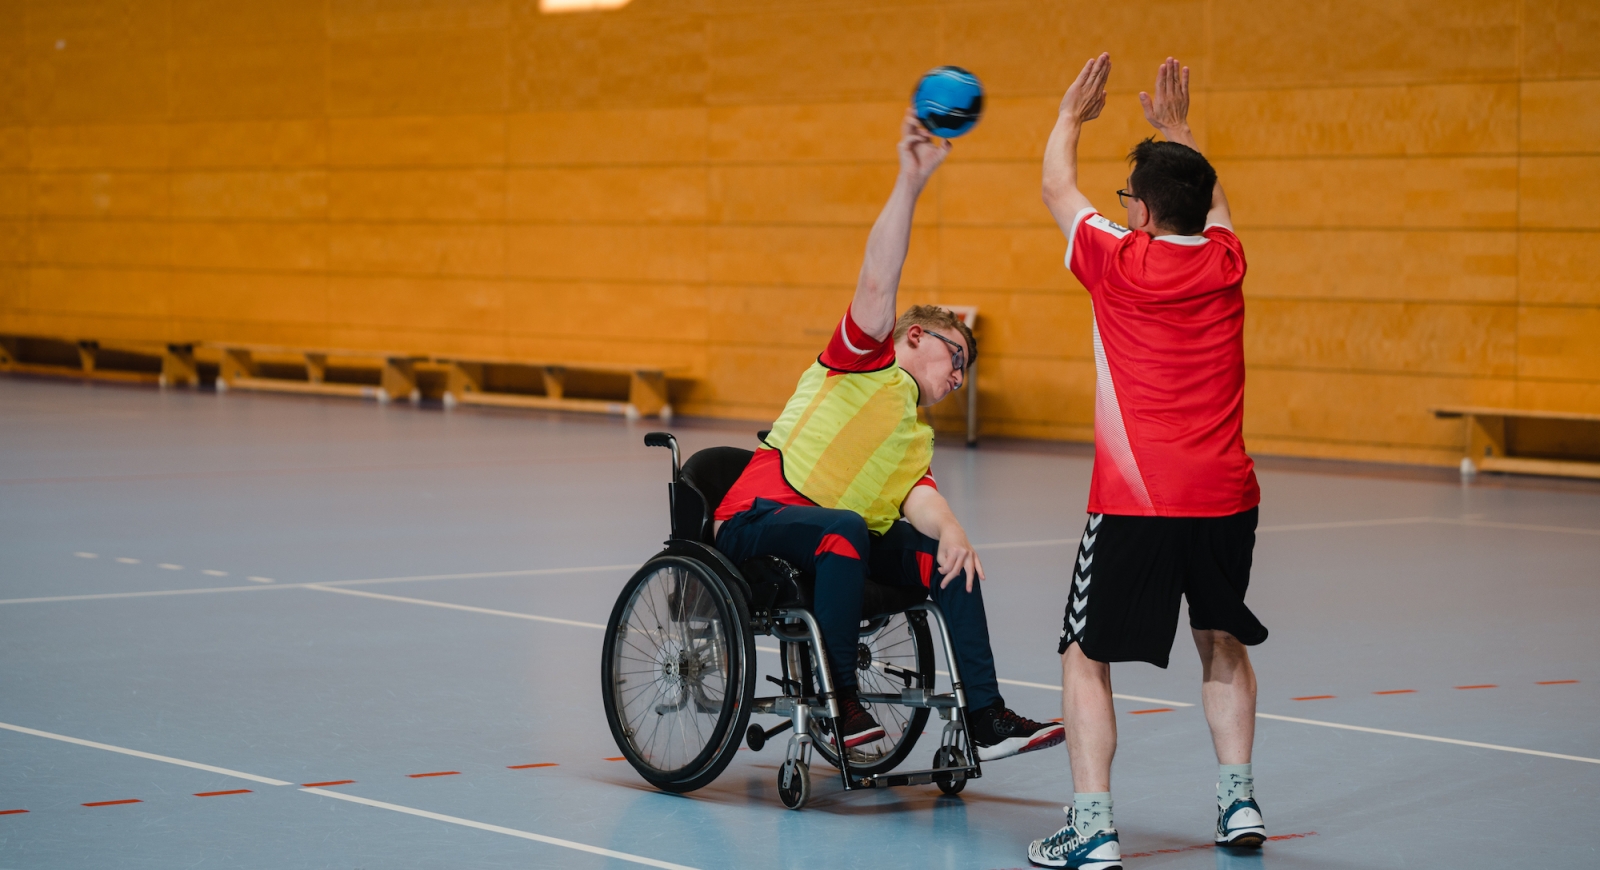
x: 1348, y: 524
x: 1523, y: 527
x: 148, y: 755
x: 1048, y: 686
x: 530, y: 572
x: 510, y: 832
x: 1451, y: 740
x: 1140, y: 698
x: 554, y: 841
x: 448, y: 606
x: 1009, y: 545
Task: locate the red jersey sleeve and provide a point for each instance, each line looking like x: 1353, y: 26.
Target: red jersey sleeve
x: 1094, y: 241
x: 852, y: 350
x: 1234, y: 265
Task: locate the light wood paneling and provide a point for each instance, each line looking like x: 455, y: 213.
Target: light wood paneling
x: 1560, y: 268
x: 692, y: 182
x: 1419, y: 338
x: 1559, y: 193
x: 1387, y: 265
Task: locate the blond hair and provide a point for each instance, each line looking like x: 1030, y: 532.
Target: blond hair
x: 934, y: 317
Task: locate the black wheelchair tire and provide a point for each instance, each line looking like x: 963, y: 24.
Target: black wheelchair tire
x: 723, y: 742
x: 914, y: 725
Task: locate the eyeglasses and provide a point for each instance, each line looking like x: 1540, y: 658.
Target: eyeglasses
x: 958, y: 354
x: 1123, y: 196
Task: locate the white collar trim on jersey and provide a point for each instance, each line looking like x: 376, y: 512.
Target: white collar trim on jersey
x: 1182, y: 240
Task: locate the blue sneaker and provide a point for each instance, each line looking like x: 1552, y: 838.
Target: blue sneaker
x: 1241, y: 824
x: 1068, y: 848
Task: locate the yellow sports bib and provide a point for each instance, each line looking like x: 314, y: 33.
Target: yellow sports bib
x: 852, y: 440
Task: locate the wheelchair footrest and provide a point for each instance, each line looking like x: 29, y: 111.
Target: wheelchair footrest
x: 911, y: 698
x: 918, y: 777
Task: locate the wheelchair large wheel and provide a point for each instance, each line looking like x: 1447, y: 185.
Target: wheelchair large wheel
x: 678, y: 672
x: 893, y: 651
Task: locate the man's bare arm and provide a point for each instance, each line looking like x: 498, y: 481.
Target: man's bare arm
x: 873, y: 308
x: 930, y: 514
x: 1168, y: 111
x: 1082, y: 103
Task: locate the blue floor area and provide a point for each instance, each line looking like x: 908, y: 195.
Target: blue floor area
x: 1370, y: 582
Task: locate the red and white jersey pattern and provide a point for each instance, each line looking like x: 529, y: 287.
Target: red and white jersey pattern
x: 1169, y: 370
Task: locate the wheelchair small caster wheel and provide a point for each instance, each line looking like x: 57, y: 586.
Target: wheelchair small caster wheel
x: 794, y: 784
x: 949, y: 756
x: 755, y: 738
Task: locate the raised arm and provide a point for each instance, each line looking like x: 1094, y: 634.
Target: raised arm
x: 1168, y: 111
x: 1082, y: 103
x: 873, y: 308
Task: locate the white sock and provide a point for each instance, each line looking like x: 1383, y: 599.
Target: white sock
x: 1091, y: 812
x: 1234, y: 782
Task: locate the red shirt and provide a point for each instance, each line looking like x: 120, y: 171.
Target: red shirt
x: 1169, y: 370
x: 850, y: 350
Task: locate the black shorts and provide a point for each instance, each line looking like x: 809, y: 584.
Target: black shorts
x: 1130, y: 572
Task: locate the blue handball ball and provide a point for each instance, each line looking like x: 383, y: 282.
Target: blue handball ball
x: 948, y: 101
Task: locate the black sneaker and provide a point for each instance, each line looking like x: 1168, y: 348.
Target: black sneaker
x: 857, y: 724
x: 1000, y: 733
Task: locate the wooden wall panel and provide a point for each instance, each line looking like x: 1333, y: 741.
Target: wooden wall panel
x: 692, y: 182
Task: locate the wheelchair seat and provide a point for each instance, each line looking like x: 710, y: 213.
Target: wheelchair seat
x: 774, y: 583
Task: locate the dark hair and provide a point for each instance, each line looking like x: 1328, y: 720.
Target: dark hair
x: 1175, y: 182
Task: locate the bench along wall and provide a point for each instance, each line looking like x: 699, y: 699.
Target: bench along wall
x: 690, y: 182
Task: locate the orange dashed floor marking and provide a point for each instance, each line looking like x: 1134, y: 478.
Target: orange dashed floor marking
x: 435, y: 773
x: 1397, y: 692
x: 221, y: 793
x: 1556, y: 682
x: 1151, y: 710
x: 1312, y: 697
x: 617, y: 758
x: 1484, y: 686
x: 328, y: 783
x: 11, y: 812
x: 527, y: 766
x: 114, y: 803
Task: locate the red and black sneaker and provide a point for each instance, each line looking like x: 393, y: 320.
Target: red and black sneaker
x: 1000, y: 733
x: 857, y: 724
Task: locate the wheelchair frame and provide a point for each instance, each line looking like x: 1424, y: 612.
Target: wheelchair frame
x: 955, y: 760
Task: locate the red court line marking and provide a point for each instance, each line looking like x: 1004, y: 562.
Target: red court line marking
x: 1556, y: 682
x: 1397, y: 692
x: 435, y: 773
x: 11, y: 812
x: 1484, y: 686
x: 114, y: 803
x: 1311, y: 697
x: 526, y: 766
x: 1057, y: 719
x: 221, y: 793
x: 1152, y: 710
x: 1199, y: 846
x: 618, y: 758
x: 325, y: 784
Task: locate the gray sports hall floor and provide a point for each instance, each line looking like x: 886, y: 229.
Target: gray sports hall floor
x: 490, y: 544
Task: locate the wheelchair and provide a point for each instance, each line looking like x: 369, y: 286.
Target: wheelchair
x: 678, y: 670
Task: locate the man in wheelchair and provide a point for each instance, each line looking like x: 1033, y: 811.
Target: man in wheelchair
x: 849, y: 459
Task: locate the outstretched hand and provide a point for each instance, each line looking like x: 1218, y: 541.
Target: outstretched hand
x: 1087, y: 95
x: 1169, y: 108
x: 956, y: 557
x: 920, y: 155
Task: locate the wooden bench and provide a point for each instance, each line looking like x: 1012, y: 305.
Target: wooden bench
x: 1529, y: 442
x: 152, y: 362
x: 380, y: 375
x: 509, y: 383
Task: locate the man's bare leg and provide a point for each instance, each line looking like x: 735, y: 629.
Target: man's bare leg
x: 1228, y: 693
x: 1090, y: 721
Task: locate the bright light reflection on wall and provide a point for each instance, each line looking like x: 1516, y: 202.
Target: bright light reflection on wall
x: 548, y: 6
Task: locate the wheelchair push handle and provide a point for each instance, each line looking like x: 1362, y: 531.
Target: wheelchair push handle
x: 665, y: 439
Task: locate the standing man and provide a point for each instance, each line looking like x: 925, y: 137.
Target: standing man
x: 841, y: 489
x: 1173, y: 502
